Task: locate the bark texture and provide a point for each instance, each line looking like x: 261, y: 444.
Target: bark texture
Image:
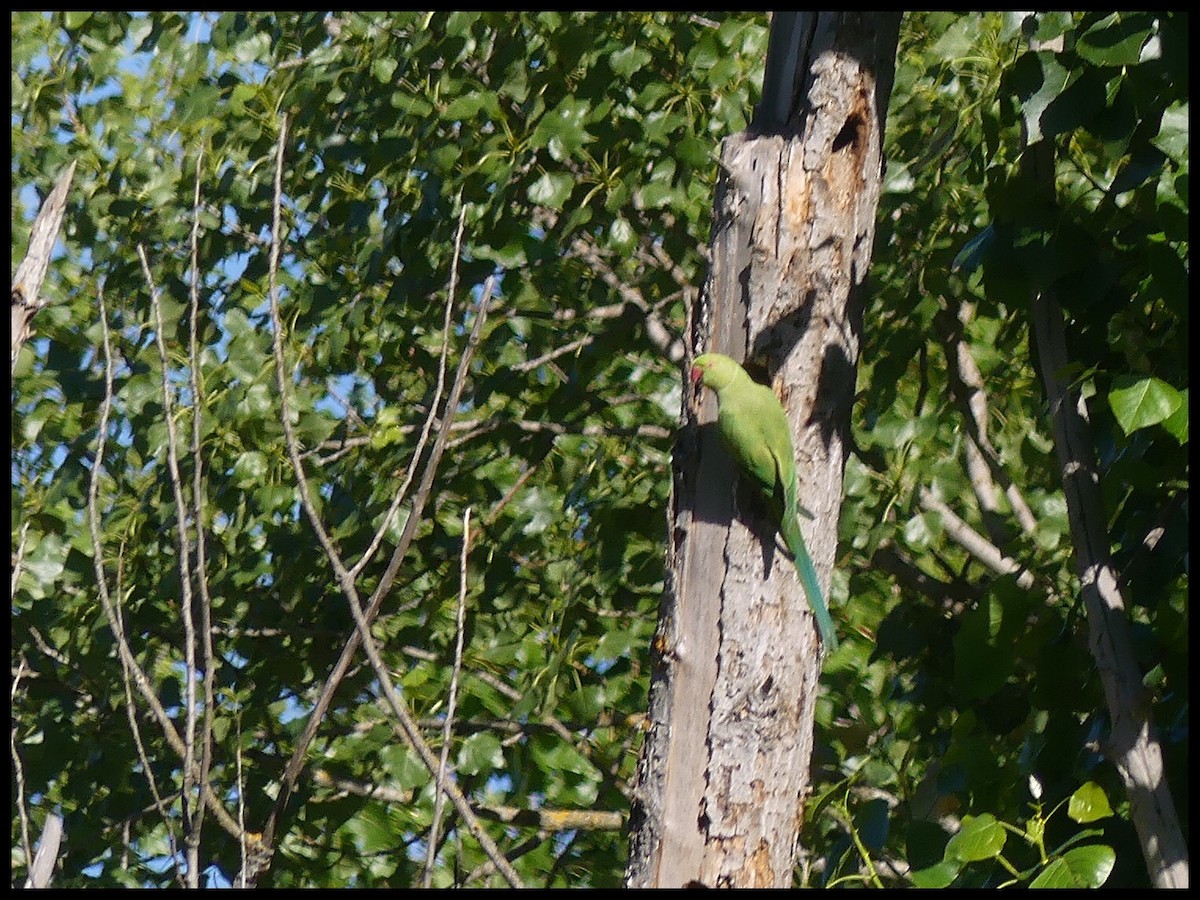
x: 725, y: 767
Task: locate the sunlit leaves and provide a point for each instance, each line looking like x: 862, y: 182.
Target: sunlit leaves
x: 1142, y: 402
x: 551, y: 129
x: 973, y: 233
x: 1079, y: 867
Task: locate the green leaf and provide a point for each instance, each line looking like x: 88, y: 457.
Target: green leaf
x: 565, y: 123
x: 939, y: 875
x: 1037, y: 79
x: 250, y: 469
x: 565, y: 758
x: 552, y: 189
x: 403, y: 767
x: 372, y: 828
x: 464, y: 107
x: 657, y: 194
x: 1089, y: 803
x: 979, y: 839
x: 1176, y: 424
x: 383, y: 69
x: 43, y: 565
x: 1079, y: 867
x: 1172, y: 137
x: 621, y: 235
x: 1141, y: 402
x: 628, y: 60
x: 1116, y: 40
x: 481, y: 752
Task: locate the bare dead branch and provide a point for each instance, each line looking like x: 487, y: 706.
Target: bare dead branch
x: 185, y: 575
x: 19, y: 769
x: 402, y: 492
x: 210, y: 661
x: 42, y: 868
x: 945, y: 594
x: 18, y: 559
x: 569, y: 347
x: 660, y: 336
x: 31, y: 273
x: 984, y: 468
x: 544, y: 819
x: 974, y: 542
x: 654, y: 432
x: 451, y: 700
x: 362, y: 619
x: 1133, y: 744
x: 129, y: 664
x: 102, y: 585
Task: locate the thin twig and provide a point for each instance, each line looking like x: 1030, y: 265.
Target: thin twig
x: 185, y: 575
x: 452, y: 701
x: 984, y: 468
x: 22, y: 811
x: 369, y: 554
x: 18, y: 560
x: 241, y: 797
x: 653, y: 432
x: 571, y: 347
x: 362, y: 619
x: 206, y: 644
x: 112, y: 615
x: 115, y: 621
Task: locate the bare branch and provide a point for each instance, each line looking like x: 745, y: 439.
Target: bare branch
x: 402, y: 492
x: 951, y: 594
x: 655, y: 432
x: 112, y: 614
x: 1133, y: 744
x: 42, y: 868
x: 31, y: 273
x: 19, y: 769
x: 984, y: 468
x: 974, y: 542
x: 185, y: 574
x: 18, y: 559
x: 543, y: 819
x: 102, y: 585
x: 452, y: 700
x: 669, y: 345
x: 362, y: 619
x: 210, y: 661
x: 570, y: 347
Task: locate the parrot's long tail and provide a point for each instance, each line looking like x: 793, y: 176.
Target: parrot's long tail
x: 808, y: 578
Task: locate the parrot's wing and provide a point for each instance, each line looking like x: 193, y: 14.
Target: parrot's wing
x: 740, y: 420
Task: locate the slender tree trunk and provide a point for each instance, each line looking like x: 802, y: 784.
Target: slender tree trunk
x: 1133, y: 744
x: 725, y: 767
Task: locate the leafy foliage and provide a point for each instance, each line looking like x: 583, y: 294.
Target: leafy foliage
x: 978, y: 681
x: 579, y: 153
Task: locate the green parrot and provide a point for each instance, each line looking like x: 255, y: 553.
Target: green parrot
x: 755, y: 430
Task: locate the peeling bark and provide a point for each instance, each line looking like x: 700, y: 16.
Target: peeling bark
x: 725, y: 767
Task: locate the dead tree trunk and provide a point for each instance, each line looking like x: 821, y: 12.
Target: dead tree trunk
x: 725, y: 767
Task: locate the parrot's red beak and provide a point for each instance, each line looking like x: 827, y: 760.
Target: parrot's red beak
x: 697, y: 374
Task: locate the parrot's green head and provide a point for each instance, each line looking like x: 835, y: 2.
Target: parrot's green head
x: 715, y: 370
